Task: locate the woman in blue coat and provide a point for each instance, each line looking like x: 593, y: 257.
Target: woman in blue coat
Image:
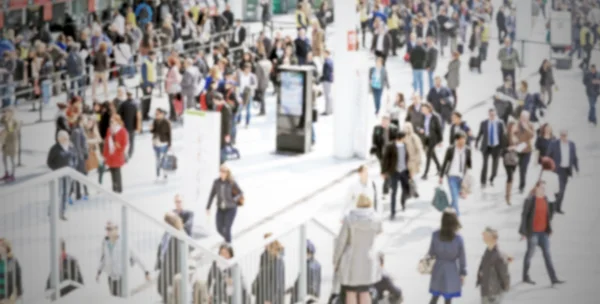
x: 450, y: 266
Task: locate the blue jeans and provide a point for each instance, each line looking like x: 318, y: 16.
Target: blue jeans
x: 7, y: 93
x: 524, y: 159
x: 430, y: 77
x: 63, y: 188
x: 46, y: 88
x: 234, y: 121
x: 592, y: 112
x: 543, y: 240
x: 418, y: 81
x: 225, y: 218
x: 377, y: 93
x: 78, y: 82
x: 160, y: 152
x: 576, y: 48
x: 454, y: 182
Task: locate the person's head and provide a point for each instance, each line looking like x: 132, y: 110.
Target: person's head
x: 121, y: 93
x: 112, y: 230
x: 593, y: 68
x: 310, y: 247
x: 490, y: 236
x: 63, y: 138
x: 385, y: 121
x: 492, y: 114
x: 363, y: 171
x: 174, y: 220
x: 507, y: 42
x: 116, y: 122
x: 547, y: 164
x: 173, y: 62
x: 103, y: 47
x: 426, y: 109
x: 178, y: 202
x: 564, y: 136
x: 524, y: 118
x: 5, y: 249
x: 226, y: 251
x: 301, y: 33
x: 363, y: 202
x: 419, y: 41
x: 379, y: 61
x: 400, y: 136
x: 438, y: 82
x: 456, y: 118
x: 274, y: 248
x: 412, y: 37
x: 247, y: 68
x: 416, y: 99
x: 9, y: 113
x: 455, y: 55
x: 460, y: 139
x: 546, y: 130
x: 151, y: 55
x: 524, y: 87
x: 546, y: 64
x: 225, y: 173
x: 450, y: 225
x: 408, y: 128
x: 400, y: 99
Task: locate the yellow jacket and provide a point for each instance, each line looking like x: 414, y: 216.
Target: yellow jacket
x: 393, y: 22
x: 301, y: 20
x: 485, y: 32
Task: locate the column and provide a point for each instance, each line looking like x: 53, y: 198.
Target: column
x: 237, y: 8
x: 344, y: 79
x: 523, y: 28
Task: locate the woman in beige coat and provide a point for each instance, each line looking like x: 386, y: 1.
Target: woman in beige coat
x: 318, y: 39
x: 356, y: 267
x: 9, y: 138
x: 415, y: 149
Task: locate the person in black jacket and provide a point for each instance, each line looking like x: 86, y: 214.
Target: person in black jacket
x: 226, y: 122
x: 187, y: 216
x: 418, y: 59
x: 383, y: 135
x: 457, y: 161
x: 302, y: 46
x: 62, y: 155
x: 62, y: 124
x: 444, y: 28
x: 132, y: 119
x: 432, y: 135
x: 441, y: 99
x: 501, y: 25
x: 459, y: 125
x: 12, y: 275
x: 228, y: 15
x: 381, y: 42
x: 536, y: 227
x: 492, y: 134
x: 161, y: 139
x: 395, y: 167
x: 70, y: 272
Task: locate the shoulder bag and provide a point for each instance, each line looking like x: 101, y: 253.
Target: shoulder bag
x: 426, y: 265
x: 235, y: 191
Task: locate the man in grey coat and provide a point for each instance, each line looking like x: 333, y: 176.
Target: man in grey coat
x: 509, y: 60
x: 190, y: 83
x: 493, y: 278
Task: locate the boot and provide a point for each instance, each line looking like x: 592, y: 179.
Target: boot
x: 508, y: 193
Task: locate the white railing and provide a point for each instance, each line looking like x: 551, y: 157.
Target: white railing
x: 30, y: 218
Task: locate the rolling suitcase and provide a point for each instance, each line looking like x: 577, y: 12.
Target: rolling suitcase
x: 460, y: 48
x: 475, y: 63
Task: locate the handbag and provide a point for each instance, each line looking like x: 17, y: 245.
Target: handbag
x: 440, y: 200
x: 407, y: 57
x: 511, y: 158
x: 426, y: 265
x: 465, y: 185
x: 169, y: 163
x: 235, y: 191
x: 92, y: 162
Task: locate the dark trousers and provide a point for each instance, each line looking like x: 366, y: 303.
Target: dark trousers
x: 117, y: 182
x: 383, y: 56
x: 76, y: 187
x: 542, y: 240
x: 386, y: 284
x: 131, y: 143
x: 455, y: 98
x: 434, y: 300
x: 259, y: 96
x: 63, y: 186
x: 563, y: 179
x: 524, y: 159
x: 146, y: 101
x: 172, y: 114
x: 402, y: 178
x: 502, y: 35
x: 225, y: 218
x: 494, y: 152
x: 395, y: 33
x: 510, y: 73
x: 430, y: 154
x: 510, y: 172
x: 115, y: 287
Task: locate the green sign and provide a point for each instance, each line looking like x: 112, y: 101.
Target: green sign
x: 251, y: 10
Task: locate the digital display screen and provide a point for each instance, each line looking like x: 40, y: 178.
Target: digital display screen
x: 292, y: 93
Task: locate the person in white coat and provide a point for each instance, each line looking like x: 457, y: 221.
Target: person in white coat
x: 355, y: 262
x: 363, y: 186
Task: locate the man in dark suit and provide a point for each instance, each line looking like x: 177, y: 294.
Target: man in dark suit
x: 564, y: 154
x: 228, y: 15
x: 382, y: 136
x: 418, y: 60
x: 431, y: 132
x: 414, y: 114
x: 187, y: 216
x: 459, y: 125
x: 395, y: 168
x: 491, y: 135
x: 441, y: 99
x: 501, y: 24
x: 302, y: 46
x: 239, y: 34
x: 381, y: 42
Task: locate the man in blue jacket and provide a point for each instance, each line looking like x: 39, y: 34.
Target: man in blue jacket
x: 143, y: 14
x: 591, y: 80
x: 564, y: 154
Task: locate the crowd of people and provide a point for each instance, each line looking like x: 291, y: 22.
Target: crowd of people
x: 101, y: 136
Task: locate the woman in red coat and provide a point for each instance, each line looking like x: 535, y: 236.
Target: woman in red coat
x: 115, y: 146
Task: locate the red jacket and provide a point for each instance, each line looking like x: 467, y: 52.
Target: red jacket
x: 121, y: 140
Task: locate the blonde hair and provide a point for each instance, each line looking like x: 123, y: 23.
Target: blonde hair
x: 364, y: 201
x: 174, y: 220
x: 274, y: 248
x: 6, y: 243
x: 228, y: 176
x: 408, y: 128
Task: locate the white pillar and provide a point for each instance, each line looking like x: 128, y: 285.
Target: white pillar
x: 237, y: 8
x: 363, y: 107
x: 523, y: 29
x: 344, y: 79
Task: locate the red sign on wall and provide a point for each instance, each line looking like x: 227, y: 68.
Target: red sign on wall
x: 48, y: 12
x: 17, y: 4
x: 352, y: 41
x: 1, y: 20
x: 41, y: 2
x: 91, y: 6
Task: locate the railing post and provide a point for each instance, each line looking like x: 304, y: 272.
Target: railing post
x: 19, y: 163
x: 183, y: 261
x: 236, y: 275
x: 54, y: 214
x: 303, y: 280
x: 124, y: 236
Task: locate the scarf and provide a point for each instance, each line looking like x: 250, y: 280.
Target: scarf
x: 111, y: 141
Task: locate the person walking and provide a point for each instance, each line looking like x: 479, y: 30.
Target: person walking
x: 168, y: 257
x: 543, y: 140
x: 394, y: 167
x: 450, y: 267
x: 493, y: 278
x: 453, y: 76
x: 148, y: 81
x: 418, y: 63
x: 510, y: 156
x: 382, y: 136
x: 115, y: 145
x: 173, y: 85
x: 269, y: 284
x: 9, y: 139
x: 353, y: 260
x: 491, y: 134
x: 161, y: 140
x: 229, y: 196
x: 414, y: 145
x: 564, y: 154
x: 327, y: 82
x: 62, y: 155
x: 547, y: 80
x: 101, y: 63
x: 132, y: 120
x: 458, y: 125
x: 536, y: 228
x: 525, y: 133
x: 501, y: 24
x: 379, y: 81
x: 431, y: 59
x: 509, y: 60
x: 10, y: 274
x: 591, y: 80
x: 432, y: 135
x: 191, y: 83
x: 457, y: 162
x: 80, y: 147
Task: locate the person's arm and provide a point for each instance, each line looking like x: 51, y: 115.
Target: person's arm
x: 239, y: 191
x: 169, y: 134
x: 480, y: 134
x: 134, y: 259
x: 501, y: 267
x: 575, y: 158
x: 445, y: 163
x: 102, y: 263
x: 340, y: 244
x: 462, y: 260
x: 525, y: 217
x: 211, y: 196
x: 386, y: 78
